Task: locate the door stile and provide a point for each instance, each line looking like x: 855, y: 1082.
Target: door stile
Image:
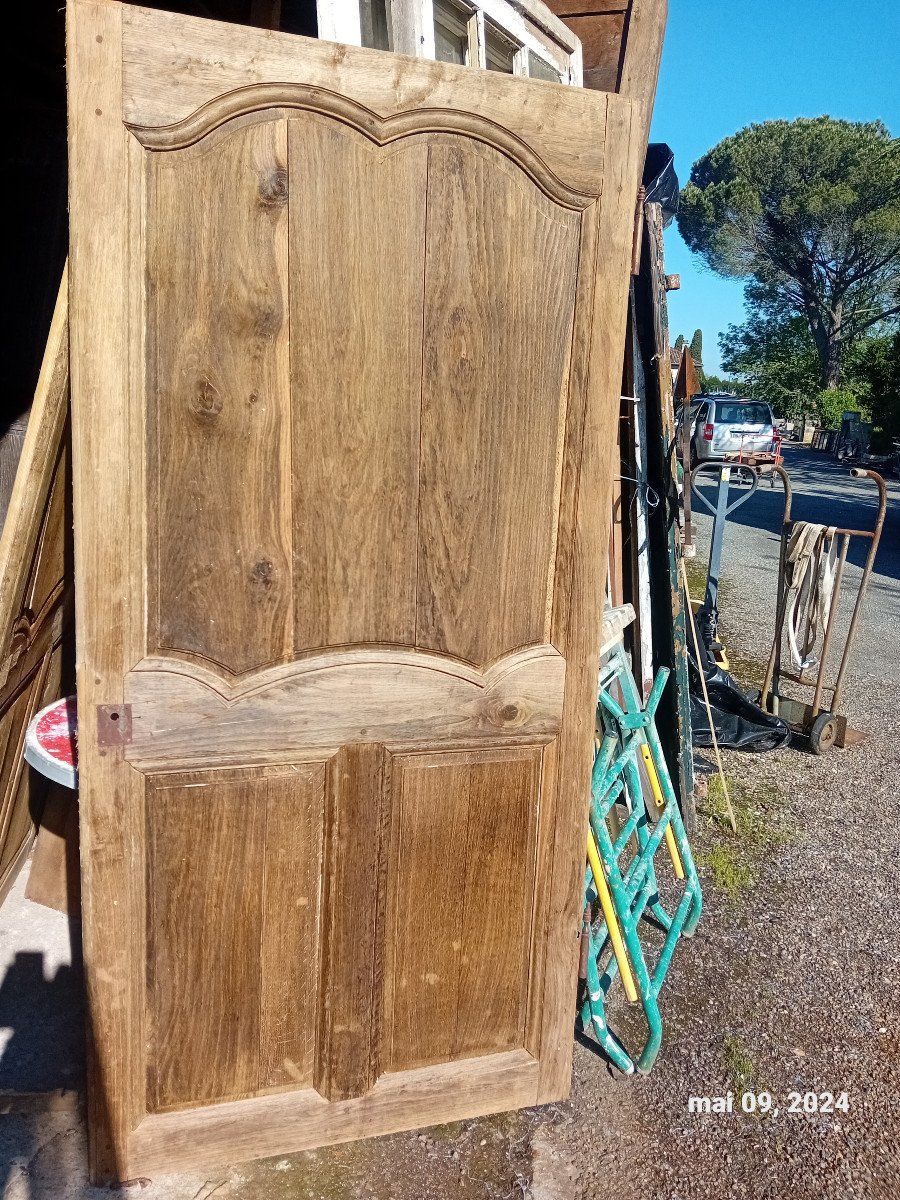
x: 581, y: 628
x: 98, y: 165
x: 135, y: 407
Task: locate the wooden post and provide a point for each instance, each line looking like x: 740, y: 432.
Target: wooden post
x: 669, y: 617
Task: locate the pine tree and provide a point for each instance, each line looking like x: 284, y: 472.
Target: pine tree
x: 808, y: 211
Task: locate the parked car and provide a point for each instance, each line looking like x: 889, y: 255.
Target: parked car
x: 722, y: 424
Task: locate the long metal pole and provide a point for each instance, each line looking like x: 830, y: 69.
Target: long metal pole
x: 860, y: 473
x: 773, y: 670
x: 717, y: 540
x: 829, y: 627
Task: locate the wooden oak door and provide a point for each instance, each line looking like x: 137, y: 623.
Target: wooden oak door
x: 347, y: 331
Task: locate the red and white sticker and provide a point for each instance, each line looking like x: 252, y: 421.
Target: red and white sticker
x: 51, y: 742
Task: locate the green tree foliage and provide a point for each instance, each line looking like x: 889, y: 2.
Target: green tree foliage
x: 877, y: 375
x: 832, y: 403
x: 718, y: 383
x: 809, y: 212
x: 679, y: 342
x: 697, y: 349
x: 773, y: 355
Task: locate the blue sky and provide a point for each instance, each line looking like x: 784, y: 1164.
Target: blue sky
x: 727, y: 64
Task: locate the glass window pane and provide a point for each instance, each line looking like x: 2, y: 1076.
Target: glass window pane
x: 539, y: 68
x: 451, y: 34
x: 448, y: 47
x: 375, y: 25
x: 499, y: 50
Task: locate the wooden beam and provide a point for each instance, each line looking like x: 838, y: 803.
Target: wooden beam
x: 643, y: 43
x: 101, y: 359
x: 669, y: 616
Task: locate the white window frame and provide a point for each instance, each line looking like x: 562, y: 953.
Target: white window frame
x: 528, y: 24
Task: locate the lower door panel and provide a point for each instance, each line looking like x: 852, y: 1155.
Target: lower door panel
x: 330, y: 928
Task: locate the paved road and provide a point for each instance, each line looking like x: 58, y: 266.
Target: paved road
x: 824, y: 492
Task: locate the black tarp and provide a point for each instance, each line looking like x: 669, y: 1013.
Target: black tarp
x: 740, y: 724
x: 660, y: 180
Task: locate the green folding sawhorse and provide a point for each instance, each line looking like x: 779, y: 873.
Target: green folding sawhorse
x: 628, y: 893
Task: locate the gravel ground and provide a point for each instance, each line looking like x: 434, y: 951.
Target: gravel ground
x: 791, y: 983
x: 792, y: 980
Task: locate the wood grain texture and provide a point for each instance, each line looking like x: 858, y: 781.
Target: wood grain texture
x: 174, y: 64
x: 518, y: 275
x: 602, y: 36
x: 462, y: 878
x: 291, y: 1121
x: 641, y: 58
x: 16, y: 821
x: 38, y: 468
x: 234, y: 909
x: 622, y: 46
x: 570, y: 8
x: 219, y: 393
x: 348, y: 1050
x: 289, y: 956
x: 356, y: 304
x: 539, y: 917
x: 111, y: 867
x: 580, y: 626
x: 10, y: 451
x: 183, y: 713
x: 204, y: 932
x: 485, y: 542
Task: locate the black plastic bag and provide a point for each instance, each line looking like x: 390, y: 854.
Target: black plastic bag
x: 740, y: 724
x: 660, y: 180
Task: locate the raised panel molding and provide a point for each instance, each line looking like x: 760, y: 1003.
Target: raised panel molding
x: 460, y: 910
x: 307, y: 495
x: 377, y: 909
x: 271, y: 102
x: 234, y: 861
x: 183, y: 713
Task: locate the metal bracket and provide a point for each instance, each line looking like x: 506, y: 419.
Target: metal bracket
x: 113, y: 725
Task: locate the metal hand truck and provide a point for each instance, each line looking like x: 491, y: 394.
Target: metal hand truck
x: 824, y: 726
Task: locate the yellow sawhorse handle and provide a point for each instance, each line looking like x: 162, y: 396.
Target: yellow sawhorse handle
x: 660, y: 804
x: 609, y: 915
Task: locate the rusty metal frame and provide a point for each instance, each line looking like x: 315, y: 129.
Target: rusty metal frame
x: 799, y: 715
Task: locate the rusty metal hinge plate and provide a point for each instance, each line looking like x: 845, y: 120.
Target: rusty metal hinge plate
x: 113, y: 725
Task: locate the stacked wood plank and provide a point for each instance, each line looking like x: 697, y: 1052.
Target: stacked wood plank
x: 35, y: 594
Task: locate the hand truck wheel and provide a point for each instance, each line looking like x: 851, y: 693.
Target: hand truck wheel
x: 823, y: 733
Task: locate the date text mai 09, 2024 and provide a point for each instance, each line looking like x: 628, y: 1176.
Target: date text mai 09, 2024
x: 805, y: 1103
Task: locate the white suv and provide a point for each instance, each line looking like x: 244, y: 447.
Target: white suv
x: 723, y: 424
